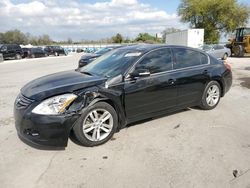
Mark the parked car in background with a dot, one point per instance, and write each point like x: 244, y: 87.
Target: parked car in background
x: 126, y: 85
x: 33, y: 52
x: 11, y: 51
x: 79, y: 50
x: 90, y: 50
x: 89, y: 57
x: 55, y: 50
x: 25, y: 52
x: 217, y: 50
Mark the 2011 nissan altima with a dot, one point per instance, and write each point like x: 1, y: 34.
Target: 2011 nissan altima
x: 123, y: 86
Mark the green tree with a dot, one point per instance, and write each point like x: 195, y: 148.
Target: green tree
x: 147, y: 38
x: 44, y: 40
x: 1, y: 38
x: 69, y: 41
x: 127, y: 40
x: 214, y: 16
x: 117, y: 38
x: 14, y: 36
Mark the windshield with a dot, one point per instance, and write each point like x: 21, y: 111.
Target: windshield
x: 102, y: 51
x: 112, y: 64
x: 246, y: 31
x: 206, y: 47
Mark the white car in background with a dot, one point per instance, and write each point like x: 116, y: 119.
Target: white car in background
x: 217, y: 50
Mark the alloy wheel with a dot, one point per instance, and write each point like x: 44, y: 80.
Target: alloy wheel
x: 97, y: 125
x: 225, y: 56
x: 18, y: 56
x: 213, y: 95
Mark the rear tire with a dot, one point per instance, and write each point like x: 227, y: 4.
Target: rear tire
x: 238, y: 51
x: 18, y: 56
x: 211, y: 96
x: 97, y: 125
x: 225, y: 56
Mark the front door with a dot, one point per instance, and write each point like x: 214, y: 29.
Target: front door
x: 147, y: 95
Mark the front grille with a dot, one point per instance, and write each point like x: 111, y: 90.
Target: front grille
x: 22, y: 102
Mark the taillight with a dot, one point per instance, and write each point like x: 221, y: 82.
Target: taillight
x: 227, y: 65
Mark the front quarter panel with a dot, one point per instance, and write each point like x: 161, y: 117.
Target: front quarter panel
x: 112, y: 95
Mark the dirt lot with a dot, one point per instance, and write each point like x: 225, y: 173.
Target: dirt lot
x: 191, y: 148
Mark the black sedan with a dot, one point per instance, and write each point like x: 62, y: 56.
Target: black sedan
x: 33, y: 52
x: 123, y: 86
x: 55, y: 50
x: 89, y: 57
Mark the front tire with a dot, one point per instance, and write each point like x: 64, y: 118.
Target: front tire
x: 97, y: 125
x: 211, y: 96
x: 238, y: 51
x: 225, y: 56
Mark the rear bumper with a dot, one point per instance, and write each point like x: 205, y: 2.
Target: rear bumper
x: 227, y: 81
x: 42, y: 130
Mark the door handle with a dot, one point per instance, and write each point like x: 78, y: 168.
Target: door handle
x: 171, y: 81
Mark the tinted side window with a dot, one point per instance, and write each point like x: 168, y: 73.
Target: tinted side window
x: 218, y: 47
x: 157, y: 61
x: 204, y: 58
x: 19, y: 47
x: 33, y: 50
x: 9, y: 47
x: 39, y: 50
x: 187, y: 58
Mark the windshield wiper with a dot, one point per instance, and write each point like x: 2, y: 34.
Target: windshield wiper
x: 88, y: 73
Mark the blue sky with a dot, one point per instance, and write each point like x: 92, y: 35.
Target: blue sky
x: 90, y: 19
x: 170, y: 6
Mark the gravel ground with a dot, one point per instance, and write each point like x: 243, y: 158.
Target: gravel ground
x: 191, y: 148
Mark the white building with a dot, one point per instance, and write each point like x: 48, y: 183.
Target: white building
x: 190, y: 37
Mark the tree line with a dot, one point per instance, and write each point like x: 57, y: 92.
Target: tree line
x: 18, y: 37
x: 215, y: 17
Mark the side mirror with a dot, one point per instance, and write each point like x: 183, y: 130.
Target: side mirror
x: 82, y: 63
x: 140, y: 73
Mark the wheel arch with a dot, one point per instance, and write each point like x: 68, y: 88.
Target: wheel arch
x: 101, y: 98
x: 219, y: 80
x: 120, y: 114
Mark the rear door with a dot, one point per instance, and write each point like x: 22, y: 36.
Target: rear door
x: 147, y: 95
x: 40, y: 52
x: 193, y: 75
x: 10, y: 51
x: 219, y: 50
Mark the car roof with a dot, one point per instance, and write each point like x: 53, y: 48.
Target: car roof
x: 149, y: 47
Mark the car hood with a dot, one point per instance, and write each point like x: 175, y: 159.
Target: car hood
x: 59, y: 83
x: 90, y: 55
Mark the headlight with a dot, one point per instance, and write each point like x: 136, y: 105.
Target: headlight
x: 54, y: 105
x: 92, y: 59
